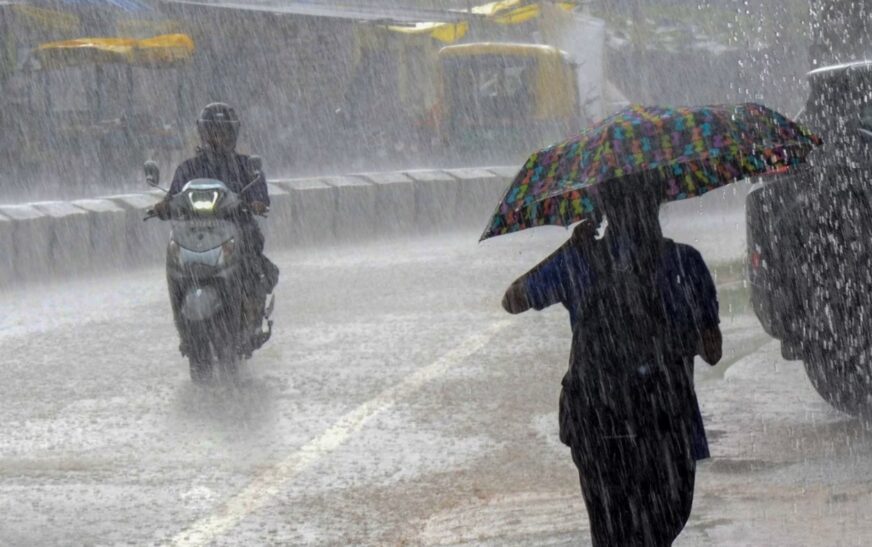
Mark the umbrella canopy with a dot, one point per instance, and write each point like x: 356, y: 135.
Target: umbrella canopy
x: 690, y: 151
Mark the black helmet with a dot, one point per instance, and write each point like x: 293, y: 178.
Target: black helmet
x: 218, y: 127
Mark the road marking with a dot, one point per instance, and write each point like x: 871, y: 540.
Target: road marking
x: 272, y: 481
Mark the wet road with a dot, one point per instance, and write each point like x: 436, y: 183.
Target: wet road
x: 396, y: 404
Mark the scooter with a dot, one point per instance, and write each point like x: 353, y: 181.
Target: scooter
x: 219, y: 318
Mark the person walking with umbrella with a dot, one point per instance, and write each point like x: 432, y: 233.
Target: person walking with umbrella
x: 641, y: 306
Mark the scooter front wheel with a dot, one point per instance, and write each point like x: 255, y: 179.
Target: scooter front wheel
x: 201, y: 359
x: 213, y: 354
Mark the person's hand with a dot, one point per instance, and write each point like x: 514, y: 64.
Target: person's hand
x: 258, y: 207
x: 515, y: 300
x: 711, y: 346
x: 161, y: 209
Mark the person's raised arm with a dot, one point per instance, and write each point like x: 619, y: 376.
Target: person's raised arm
x: 538, y: 288
x: 542, y: 286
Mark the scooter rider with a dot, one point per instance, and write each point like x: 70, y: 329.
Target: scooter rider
x: 218, y: 127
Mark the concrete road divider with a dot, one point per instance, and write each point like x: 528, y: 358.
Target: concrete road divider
x: 504, y: 172
x: 394, y: 203
x: 355, y: 212
x: 312, y: 210
x: 31, y: 240
x: 146, y: 241
x: 479, y: 192
x: 70, y: 237
x: 7, y: 251
x: 107, y: 222
x: 53, y: 238
x: 436, y: 197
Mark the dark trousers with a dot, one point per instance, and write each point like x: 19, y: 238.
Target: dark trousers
x: 637, y: 476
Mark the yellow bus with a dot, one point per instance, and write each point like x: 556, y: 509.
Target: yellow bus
x: 505, y: 99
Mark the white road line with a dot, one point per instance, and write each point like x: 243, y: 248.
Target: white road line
x: 272, y: 481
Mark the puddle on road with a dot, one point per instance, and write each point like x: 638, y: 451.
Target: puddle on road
x: 741, y: 466
x: 246, y: 404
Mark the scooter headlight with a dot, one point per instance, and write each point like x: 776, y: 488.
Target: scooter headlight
x: 204, y: 201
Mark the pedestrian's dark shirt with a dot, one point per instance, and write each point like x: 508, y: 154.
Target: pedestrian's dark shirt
x: 688, y: 301
x: 569, y: 276
x: 234, y: 170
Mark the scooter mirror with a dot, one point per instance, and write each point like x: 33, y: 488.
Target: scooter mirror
x: 152, y: 173
x: 256, y: 162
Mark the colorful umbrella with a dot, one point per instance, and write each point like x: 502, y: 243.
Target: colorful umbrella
x: 690, y: 150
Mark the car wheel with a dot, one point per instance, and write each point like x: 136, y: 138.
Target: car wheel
x: 845, y: 382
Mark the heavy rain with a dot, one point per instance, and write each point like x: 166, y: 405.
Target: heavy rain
x: 287, y: 272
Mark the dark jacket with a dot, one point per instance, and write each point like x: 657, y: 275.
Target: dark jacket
x: 628, y: 408
x: 234, y: 170
x: 631, y: 336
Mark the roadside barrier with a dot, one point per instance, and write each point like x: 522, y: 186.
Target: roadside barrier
x: 56, y: 239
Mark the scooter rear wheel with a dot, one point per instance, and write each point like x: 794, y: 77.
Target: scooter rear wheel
x: 201, y: 359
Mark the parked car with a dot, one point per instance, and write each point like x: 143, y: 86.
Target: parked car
x: 810, y: 243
